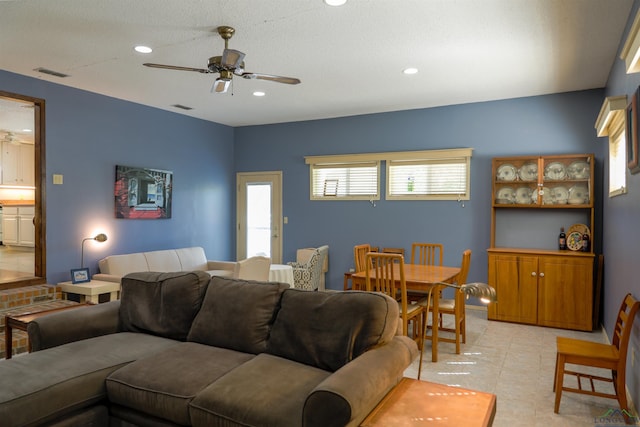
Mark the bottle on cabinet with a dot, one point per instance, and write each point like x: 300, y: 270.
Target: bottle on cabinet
x: 586, y: 244
x: 562, y: 240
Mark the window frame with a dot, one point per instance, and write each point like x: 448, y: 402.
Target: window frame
x: 316, y: 162
x: 438, y: 158
x: 611, y: 122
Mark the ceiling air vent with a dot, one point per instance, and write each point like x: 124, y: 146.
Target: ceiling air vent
x: 50, y: 72
x: 182, y: 107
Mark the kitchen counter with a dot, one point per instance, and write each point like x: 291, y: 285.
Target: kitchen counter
x: 17, y: 202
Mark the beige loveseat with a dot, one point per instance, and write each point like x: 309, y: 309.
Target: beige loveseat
x: 114, y: 267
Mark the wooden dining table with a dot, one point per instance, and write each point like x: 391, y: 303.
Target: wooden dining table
x: 419, y: 277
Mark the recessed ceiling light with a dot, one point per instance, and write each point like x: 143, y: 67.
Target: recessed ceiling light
x: 143, y: 49
x: 335, y: 2
x: 410, y: 70
x: 258, y: 93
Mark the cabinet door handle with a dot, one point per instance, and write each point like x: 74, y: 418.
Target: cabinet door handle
x: 541, y: 274
x: 533, y: 273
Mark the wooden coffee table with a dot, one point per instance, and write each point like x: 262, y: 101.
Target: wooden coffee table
x: 421, y: 403
x: 20, y: 322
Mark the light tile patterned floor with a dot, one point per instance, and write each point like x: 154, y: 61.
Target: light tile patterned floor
x: 516, y: 362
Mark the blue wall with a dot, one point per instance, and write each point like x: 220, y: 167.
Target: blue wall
x: 553, y: 124
x: 621, y: 223
x: 87, y: 135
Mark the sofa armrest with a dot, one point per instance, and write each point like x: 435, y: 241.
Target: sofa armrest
x: 221, y: 265
x: 107, y: 277
x: 73, y: 325
x: 354, y: 390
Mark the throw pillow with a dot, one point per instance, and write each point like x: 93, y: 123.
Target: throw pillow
x: 329, y: 329
x: 161, y: 304
x: 237, y: 314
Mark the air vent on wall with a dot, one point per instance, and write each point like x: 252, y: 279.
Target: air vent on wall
x: 50, y: 72
x: 182, y: 107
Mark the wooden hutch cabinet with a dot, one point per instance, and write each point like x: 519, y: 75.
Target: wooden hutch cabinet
x: 536, y: 282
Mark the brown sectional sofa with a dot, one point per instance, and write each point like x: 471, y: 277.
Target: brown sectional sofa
x: 184, y: 349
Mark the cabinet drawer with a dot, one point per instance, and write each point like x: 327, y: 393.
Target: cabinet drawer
x: 10, y: 210
x: 26, y: 210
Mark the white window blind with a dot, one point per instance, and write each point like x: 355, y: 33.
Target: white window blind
x: 617, y: 158
x: 440, y: 179
x: 358, y: 181
x: 611, y: 123
x: 411, y: 175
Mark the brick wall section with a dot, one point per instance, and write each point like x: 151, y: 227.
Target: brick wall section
x: 29, y: 299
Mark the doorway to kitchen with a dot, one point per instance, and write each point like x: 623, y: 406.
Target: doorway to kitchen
x: 22, y: 260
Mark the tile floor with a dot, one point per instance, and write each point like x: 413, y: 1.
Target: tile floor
x: 15, y: 263
x: 517, y: 363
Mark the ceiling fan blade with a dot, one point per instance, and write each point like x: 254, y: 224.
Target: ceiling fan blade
x: 232, y: 58
x: 271, y: 77
x: 174, y: 67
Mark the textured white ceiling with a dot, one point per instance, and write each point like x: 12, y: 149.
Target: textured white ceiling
x: 349, y: 58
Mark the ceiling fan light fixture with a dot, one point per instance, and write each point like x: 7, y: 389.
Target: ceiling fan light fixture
x: 221, y: 85
x: 335, y: 2
x: 143, y: 49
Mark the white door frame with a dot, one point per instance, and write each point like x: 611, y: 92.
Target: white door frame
x: 275, y: 179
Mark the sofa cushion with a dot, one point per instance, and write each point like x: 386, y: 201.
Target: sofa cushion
x: 161, y: 304
x: 48, y: 384
x: 265, y: 391
x: 237, y: 314
x: 121, y: 265
x: 329, y: 329
x: 192, y: 258
x: 164, y: 384
x: 164, y: 261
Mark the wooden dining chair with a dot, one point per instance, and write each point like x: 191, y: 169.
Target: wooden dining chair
x: 454, y: 307
x: 606, y: 356
x: 399, y: 251
x: 359, y: 252
x: 426, y: 253
x: 382, y: 277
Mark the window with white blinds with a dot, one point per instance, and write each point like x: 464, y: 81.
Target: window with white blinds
x: 439, y: 179
x: 411, y: 175
x: 611, y: 122
x: 617, y: 158
x: 356, y: 181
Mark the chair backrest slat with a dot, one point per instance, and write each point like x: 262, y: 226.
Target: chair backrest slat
x: 427, y: 253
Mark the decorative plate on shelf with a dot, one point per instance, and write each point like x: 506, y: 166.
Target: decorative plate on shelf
x: 523, y: 196
x: 578, y: 170
x: 528, y: 172
x: 574, y: 241
x: 505, y: 196
x: 547, y: 195
x: 560, y: 195
x: 506, y: 172
x: 555, y: 171
x: 580, y: 228
x: 578, y: 195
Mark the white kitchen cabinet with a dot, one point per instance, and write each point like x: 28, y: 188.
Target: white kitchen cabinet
x: 18, y: 164
x: 17, y: 226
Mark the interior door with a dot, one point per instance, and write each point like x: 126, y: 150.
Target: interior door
x: 259, y: 215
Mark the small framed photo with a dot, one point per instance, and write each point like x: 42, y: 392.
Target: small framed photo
x: 80, y: 275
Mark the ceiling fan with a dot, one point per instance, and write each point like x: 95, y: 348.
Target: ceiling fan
x: 230, y: 63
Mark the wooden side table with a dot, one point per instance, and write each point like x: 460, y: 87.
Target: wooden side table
x: 91, y: 291
x: 20, y: 322
x: 419, y: 403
